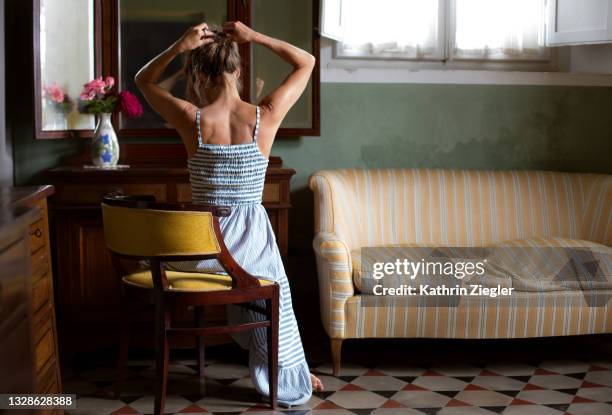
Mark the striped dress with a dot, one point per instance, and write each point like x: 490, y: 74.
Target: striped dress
x: 234, y: 176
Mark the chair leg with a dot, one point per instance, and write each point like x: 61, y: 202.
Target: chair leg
x: 124, y: 342
x: 336, y: 349
x: 272, y: 335
x: 162, y: 323
x: 199, y: 321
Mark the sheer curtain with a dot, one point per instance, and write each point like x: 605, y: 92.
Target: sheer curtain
x: 409, y: 28
x: 499, y: 28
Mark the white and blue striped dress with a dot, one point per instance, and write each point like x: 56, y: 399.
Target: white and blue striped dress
x: 234, y: 176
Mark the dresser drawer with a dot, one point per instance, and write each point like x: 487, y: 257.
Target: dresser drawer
x: 183, y: 193
x: 41, y: 292
x: 40, y: 262
x: 92, y: 194
x: 44, y: 349
x: 38, y: 235
x: 271, y: 193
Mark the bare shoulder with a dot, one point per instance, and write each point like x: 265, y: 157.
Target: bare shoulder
x: 188, y: 130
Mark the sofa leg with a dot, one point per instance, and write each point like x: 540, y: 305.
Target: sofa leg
x: 336, y: 349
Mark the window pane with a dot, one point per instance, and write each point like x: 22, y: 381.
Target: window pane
x: 410, y: 28
x: 499, y: 29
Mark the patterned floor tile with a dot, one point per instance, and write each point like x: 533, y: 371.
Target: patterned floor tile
x: 396, y: 411
x: 357, y: 399
x: 379, y: 383
x: 421, y: 399
x: 312, y: 403
x: 555, y: 381
x: 224, y: 404
x: 146, y: 404
x: 511, y: 369
x: 531, y: 410
x: 599, y: 394
x: 565, y: 366
x: 440, y: 383
x: 464, y: 410
x: 498, y: 383
x: 602, y: 363
x: 545, y: 396
x: 401, y: 370
x: 483, y: 398
x: 553, y: 387
x: 600, y: 377
x: 590, y: 409
x: 456, y: 370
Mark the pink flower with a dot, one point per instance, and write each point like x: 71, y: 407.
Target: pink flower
x: 54, y: 92
x: 110, y: 81
x: 94, y: 88
x: 129, y: 104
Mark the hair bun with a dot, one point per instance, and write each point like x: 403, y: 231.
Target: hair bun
x: 220, y: 36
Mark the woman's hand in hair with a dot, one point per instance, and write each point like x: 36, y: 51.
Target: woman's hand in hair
x: 239, y: 32
x: 194, y: 37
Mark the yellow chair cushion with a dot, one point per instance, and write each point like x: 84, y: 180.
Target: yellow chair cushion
x: 186, y: 281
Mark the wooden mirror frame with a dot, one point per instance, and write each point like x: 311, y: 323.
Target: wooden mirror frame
x: 37, y: 95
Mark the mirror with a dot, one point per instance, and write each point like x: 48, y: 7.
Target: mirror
x: 64, y: 59
x: 291, y: 21
x: 147, y: 27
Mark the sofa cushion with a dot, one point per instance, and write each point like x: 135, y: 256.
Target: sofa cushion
x: 552, y: 264
x: 534, y: 264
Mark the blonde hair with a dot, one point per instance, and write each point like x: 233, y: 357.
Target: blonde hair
x: 206, y: 65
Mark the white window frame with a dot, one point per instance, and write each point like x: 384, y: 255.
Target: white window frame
x: 447, y: 58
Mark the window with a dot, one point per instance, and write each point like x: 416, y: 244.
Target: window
x: 437, y: 30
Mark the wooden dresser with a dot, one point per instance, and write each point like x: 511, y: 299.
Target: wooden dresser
x: 88, y: 289
x: 41, y: 308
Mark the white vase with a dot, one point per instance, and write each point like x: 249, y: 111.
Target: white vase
x: 104, y: 144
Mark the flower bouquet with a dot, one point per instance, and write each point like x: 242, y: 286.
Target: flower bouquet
x: 99, y: 98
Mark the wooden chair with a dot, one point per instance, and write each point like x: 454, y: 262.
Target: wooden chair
x: 138, y: 228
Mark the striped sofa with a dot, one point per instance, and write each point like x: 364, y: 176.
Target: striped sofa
x: 368, y: 208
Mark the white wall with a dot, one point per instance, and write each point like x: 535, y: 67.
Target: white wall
x: 595, y: 59
x: 6, y: 159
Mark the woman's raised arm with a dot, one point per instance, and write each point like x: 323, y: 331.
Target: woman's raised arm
x: 172, y: 109
x: 279, y: 101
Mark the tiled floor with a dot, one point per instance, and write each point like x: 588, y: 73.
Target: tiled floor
x: 577, y: 387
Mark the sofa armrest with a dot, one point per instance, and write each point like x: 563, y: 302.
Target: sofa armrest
x: 597, y: 222
x: 335, y: 281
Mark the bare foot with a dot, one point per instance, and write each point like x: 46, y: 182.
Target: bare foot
x: 317, y: 385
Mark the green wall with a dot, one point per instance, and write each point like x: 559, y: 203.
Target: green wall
x: 459, y: 126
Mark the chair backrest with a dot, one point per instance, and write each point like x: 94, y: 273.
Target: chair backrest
x: 145, y: 232
x: 139, y: 228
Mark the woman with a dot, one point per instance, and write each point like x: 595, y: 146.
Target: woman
x: 228, y: 142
